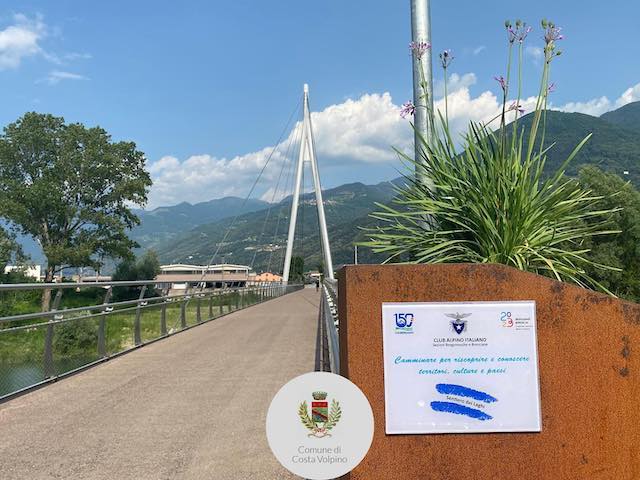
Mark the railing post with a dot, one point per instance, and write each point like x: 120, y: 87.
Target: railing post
x: 183, y: 313
x: 137, y: 338
x: 163, y: 318
x: 102, y: 325
x: 49, y: 367
x: 221, y: 299
x: 183, y: 309
x: 237, y: 299
x: 198, y: 314
x: 211, y: 306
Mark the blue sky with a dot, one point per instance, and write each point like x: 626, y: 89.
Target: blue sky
x: 205, y: 87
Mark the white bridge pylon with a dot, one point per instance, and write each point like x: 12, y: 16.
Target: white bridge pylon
x: 308, y: 154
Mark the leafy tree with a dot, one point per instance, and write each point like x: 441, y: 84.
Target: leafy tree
x: 622, y: 251
x: 296, y: 271
x: 72, y: 189
x: 146, y: 267
x: 9, y: 249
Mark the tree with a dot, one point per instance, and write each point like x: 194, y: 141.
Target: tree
x: 622, y: 251
x: 72, y: 189
x: 146, y: 267
x: 9, y: 249
x: 296, y: 271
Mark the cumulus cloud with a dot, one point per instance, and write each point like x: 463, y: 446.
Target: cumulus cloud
x: 358, y: 133
x: 21, y: 40
x: 456, y: 82
x: 600, y: 105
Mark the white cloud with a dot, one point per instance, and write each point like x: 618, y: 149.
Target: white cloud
x: 600, y: 105
x: 24, y: 38
x: 357, y: 133
x: 631, y: 94
x: 479, y: 49
x: 595, y: 106
x: 456, y: 82
x: 56, y: 76
x: 536, y: 53
x: 21, y: 40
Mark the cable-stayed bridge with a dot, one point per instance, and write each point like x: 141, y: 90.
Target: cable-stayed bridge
x: 146, y: 384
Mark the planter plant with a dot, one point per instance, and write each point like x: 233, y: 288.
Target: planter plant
x: 488, y: 199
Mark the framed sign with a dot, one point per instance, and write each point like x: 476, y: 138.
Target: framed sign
x: 460, y: 367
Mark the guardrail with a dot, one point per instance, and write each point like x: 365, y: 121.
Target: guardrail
x: 40, y: 347
x: 330, y: 325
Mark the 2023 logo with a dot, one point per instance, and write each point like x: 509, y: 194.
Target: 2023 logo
x: 505, y: 318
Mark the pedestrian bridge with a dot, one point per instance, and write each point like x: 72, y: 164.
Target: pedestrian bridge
x: 190, y: 406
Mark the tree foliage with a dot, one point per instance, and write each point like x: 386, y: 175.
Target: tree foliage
x: 621, y: 251
x: 9, y: 250
x: 146, y: 267
x: 296, y: 271
x: 71, y: 188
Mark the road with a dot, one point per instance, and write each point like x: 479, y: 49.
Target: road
x: 192, y: 406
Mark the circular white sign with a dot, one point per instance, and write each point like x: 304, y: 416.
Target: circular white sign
x: 320, y: 426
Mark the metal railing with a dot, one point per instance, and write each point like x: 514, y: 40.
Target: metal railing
x: 330, y: 325
x: 37, y: 347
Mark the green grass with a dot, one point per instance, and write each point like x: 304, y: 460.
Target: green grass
x: 78, y: 339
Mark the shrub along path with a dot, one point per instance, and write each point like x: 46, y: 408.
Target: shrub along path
x: 189, y: 407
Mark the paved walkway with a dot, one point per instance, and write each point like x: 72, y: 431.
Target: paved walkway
x: 189, y: 407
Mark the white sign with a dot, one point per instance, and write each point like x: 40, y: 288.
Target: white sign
x: 320, y: 426
x: 461, y: 367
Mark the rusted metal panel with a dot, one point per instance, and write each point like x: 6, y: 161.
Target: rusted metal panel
x: 589, y: 349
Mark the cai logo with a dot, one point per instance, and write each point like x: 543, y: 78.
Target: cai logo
x: 404, y: 322
x: 322, y: 419
x: 458, y: 324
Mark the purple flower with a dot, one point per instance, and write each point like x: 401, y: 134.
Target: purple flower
x: 551, y: 88
x: 502, y: 82
x: 523, y: 34
x: 408, y: 108
x: 516, y: 106
x: 519, y: 33
x: 552, y: 34
x: 419, y: 48
x: 446, y: 57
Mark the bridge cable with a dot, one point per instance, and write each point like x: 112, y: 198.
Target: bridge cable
x: 244, y: 202
x: 273, y: 196
x: 255, y: 183
x: 284, y: 205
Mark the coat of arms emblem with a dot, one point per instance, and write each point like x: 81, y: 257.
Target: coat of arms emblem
x: 322, y: 418
x: 457, y: 323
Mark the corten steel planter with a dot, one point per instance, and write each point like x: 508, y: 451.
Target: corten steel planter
x: 589, y: 361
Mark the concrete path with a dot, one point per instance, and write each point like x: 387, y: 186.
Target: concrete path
x: 189, y: 407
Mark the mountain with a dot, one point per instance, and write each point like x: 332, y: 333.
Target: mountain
x: 164, y: 223
x: 613, y: 148
x: 192, y: 233
x: 626, y: 117
x: 259, y: 238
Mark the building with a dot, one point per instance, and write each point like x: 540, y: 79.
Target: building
x: 31, y: 271
x: 180, y: 276
x: 266, y: 277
